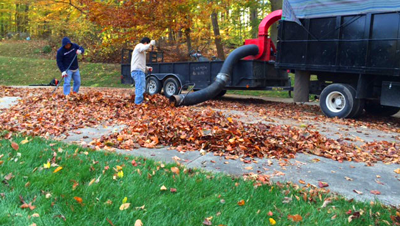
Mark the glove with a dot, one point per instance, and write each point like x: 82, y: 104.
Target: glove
x: 64, y: 74
x: 153, y: 42
x: 78, y: 51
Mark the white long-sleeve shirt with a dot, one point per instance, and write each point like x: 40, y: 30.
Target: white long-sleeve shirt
x: 138, y: 61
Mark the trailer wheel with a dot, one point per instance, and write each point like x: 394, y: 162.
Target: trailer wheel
x: 153, y: 85
x: 337, y: 100
x: 171, y: 87
x: 380, y: 110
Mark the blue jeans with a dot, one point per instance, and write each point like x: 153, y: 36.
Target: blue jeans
x: 140, y: 85
x: 67, y: 82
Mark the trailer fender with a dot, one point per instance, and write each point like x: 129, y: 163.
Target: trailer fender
x: 164, y: 76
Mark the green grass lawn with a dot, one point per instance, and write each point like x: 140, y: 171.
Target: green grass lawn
x: 99, y: 193
x: 22, y: 63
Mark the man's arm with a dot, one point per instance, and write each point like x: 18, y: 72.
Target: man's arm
x: 59, y: 62
x: 144, y: 47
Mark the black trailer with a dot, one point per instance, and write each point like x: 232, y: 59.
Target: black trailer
x: 172, y: 78
x: 356, y: 59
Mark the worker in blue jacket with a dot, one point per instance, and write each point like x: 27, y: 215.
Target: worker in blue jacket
x: 66, y: 58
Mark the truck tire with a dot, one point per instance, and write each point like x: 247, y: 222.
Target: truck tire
x: 171, y: 87
x: 220, y: 94
x: 358, y: 107
x: 153, y: 85
x: 338, y: 100
x: 374, y: 108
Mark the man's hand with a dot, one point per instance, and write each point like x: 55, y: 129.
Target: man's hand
x: 64, y: 74
x: 153, y: 42
x: 78, y: 51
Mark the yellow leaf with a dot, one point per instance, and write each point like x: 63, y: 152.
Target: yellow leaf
x: 46, y: 165
x: 138, y: 223
x: 230, y: 119
x: 163, y: 188
x: 124, y: 200
x: 397, y: 171
x: 92, y: 181
x: 58, y: 169
x: 25, y: 141
x: 272, y: 221
x: 121, y: 174
x: 124, y: 206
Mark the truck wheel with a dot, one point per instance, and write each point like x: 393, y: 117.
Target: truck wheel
x: 171, y: 87
x: 220, y: 94
x: 153, y: 85
x: 337, y: 100
x: 380, y: 110
x: 358, y: 107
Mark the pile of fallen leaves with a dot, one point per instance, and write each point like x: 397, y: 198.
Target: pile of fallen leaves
x: 156, y: 123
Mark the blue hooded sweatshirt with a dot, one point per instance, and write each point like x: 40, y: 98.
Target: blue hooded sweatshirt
x: 65, y: 56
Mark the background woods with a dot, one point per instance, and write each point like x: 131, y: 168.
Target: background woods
x: 104, y: 27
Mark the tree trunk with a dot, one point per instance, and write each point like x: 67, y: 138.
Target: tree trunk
x: 217, y: 36
x: 188, y: 41
x: 275, y: 5
x: 254, y: 21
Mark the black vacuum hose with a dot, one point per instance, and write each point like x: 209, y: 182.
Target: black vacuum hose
x: 222, y: 78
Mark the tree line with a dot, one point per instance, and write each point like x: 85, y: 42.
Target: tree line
x: 107, y: 26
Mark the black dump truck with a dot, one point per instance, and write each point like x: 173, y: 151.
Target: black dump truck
x: 352, y: 48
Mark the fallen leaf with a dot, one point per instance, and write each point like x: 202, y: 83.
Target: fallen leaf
x: 326, y: 202
x: 295, y: 218
x: 302, y: 181
x: 207, y: 222
x: 163, y: 188
x: 348, y: 178
x: 121, y: 174
x: 57, y: 169
x: 15, y: 146
x: 375, y: 192
x: 110, y: 222
x: 138, y: 223
x: 322, y: 184
x: 25, y: 141
x: 92, y: 181
x: 124, y: 200
x: 78, y: 199
x: 348, y: 212
x: 47, y: 165
x: 230, y: 119
x: 272, y: 221
x: 397, y: 170
x: 175, y: 170
x: 33, y: 224
x: 241, y: 202
x: 358, y: 192
x: 286, y: 200
x: 248, y: 168
x: 8, y: 176
x: 134, y: 163
x: 35, y: 215
x: 124, y: 206
x: 172, y: 190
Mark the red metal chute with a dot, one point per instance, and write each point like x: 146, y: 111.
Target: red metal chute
x: 265, y: 45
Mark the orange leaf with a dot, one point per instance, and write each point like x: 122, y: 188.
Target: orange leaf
x: 175, y: 170
x: 302, y: 182
x: 15, y: 146
x: 295, y: 218
x: 78, y: 199
x: 58, y: 169
x: 241, y: 203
